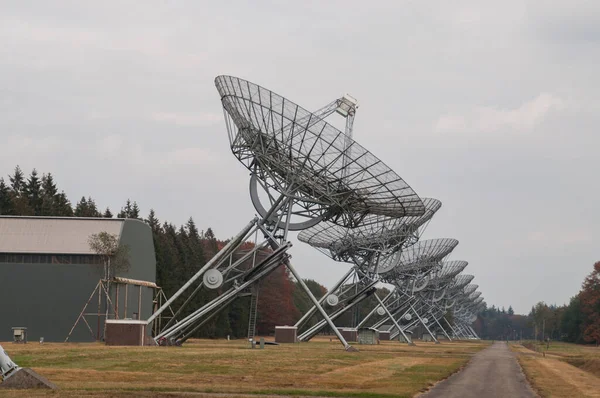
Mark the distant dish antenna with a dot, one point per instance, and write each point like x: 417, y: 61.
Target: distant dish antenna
x: 408, y: 317
x: 333, y: 300
x: 425, y: 320
x: 212, y: 279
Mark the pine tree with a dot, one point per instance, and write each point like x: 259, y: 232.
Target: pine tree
x: 92, y: 208
x: 20, y: 202
x: 212, y: 246
x: 17, y: 181
x: 153, y: 221
x: 81, y: 209
x: 107, y: 213
x: 126, y: 211
x: 33, y: 192
x: 63, y: 206
x: 5, y: 201
x: 135, y: 211
x: 87, y: 208
x: 510, y: 310
x: 49, y: 199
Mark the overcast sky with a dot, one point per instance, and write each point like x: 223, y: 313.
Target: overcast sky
x: 491, y: 107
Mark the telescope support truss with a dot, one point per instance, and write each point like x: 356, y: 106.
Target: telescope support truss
x: 223, y: 270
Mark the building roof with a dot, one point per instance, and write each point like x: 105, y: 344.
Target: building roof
x: 53, y: 235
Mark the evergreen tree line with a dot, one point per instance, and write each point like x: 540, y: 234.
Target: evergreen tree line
x: 576, y: 322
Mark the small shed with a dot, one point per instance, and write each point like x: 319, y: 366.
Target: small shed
x: 368, y: 336
x: 285, y: 334
x: 124, y: 332
x: 19, y: 335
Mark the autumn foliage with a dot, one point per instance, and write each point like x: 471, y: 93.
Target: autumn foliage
x: 590, y: 306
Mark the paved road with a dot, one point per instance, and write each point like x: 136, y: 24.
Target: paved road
x: 493, y: 372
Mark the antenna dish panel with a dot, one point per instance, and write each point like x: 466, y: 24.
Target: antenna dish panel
x: 297, y: 154
x: 420, y: 257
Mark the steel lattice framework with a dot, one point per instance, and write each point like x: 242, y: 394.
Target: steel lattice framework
x: 308, y: 176
x: 375, y: 238
x: 411, y: 272
x: 303, y: 171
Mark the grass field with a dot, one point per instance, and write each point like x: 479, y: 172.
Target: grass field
x: 562, y: 370
x: 318, y: 368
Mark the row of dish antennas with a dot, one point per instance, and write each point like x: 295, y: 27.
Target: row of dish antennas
x: 303, y: 172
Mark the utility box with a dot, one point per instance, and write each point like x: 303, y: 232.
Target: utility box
x: 19, y: 335
x: 368, y: 336
x: 349, y: 334
x: 126, y: 332
x: 384, y: 335
x: 285, y: 334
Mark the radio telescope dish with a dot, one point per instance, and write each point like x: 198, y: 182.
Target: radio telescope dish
x: 462, y: 280
x: 364, y: 245
x: 295, y: 155
x: 450, y: 269
x: 470, y: 289
x: 420, y: 257
x: 474, y: 295
x: 374, y: 233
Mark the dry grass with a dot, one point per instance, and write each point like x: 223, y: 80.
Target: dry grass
x: 318, y: 368
x: 553, y: 374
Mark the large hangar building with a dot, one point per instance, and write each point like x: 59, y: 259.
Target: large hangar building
x: 48, y: 272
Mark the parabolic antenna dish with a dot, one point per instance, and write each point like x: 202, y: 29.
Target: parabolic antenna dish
x: 474, y: 295
x: 294, y: 153
x: 470, y: 288
x: 450, y: 269
x: 374, y: 233
x: 444, y: 277
x: 461, y: 281
x: 420, y: 257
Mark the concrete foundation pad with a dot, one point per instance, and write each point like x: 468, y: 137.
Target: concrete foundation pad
x: 26, y: 378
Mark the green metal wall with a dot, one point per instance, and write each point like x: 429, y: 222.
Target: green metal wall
x: 47, y: 298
